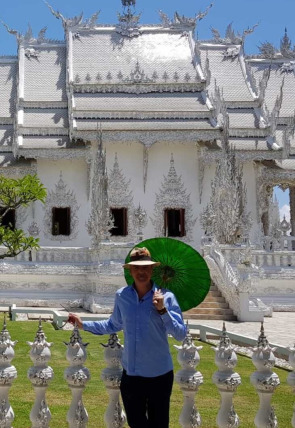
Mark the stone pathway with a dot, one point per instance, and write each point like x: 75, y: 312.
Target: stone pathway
x: 279, y: 328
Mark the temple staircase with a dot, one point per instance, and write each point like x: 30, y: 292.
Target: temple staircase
x: 214, y: 307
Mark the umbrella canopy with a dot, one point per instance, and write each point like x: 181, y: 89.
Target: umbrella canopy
x: 183, y: 270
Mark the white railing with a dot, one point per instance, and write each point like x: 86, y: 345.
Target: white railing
x: 77, y: 375
x: 224, y: 278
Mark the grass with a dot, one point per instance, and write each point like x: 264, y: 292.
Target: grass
x: 95, y: 397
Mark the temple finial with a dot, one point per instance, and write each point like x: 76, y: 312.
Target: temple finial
x: 128, y: 3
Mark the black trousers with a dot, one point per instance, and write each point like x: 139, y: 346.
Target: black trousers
x: 146, y: 400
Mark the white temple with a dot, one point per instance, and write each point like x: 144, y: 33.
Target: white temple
x: 140, y: 131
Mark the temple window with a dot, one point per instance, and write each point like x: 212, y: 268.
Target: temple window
x: 174, y: 222
x: 8, y: 220
x: 61, y: 221
x: 120, y: 220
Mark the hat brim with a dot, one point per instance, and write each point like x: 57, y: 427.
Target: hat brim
x: 141, y: 263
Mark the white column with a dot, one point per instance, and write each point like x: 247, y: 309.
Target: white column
x: 291, y: 378
x: 77, y: 376
x: 8, y: 374
x: 292, y: 210
x: 226, y: 381
x: 40, y: 375
x: 189, y: 380
x: 265, y: 381
x: 111, y: 376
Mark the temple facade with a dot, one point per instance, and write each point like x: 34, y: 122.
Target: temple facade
x: 140, y: 131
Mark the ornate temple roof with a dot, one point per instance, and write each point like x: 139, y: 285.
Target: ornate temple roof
x: 145, y: 78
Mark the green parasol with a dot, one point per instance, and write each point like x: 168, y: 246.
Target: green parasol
x: 183, y: 270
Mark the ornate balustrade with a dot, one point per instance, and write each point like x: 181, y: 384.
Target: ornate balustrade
x: 263, y: 378
x: 108, y: 251
x: 283, y: 257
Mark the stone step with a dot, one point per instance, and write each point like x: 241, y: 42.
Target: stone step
x: 214, y: 293
x: 209, y: 317
x: 212, y: 304
x: 209, y: 311
x: 214, y: 299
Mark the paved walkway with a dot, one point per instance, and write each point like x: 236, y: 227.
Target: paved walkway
x: 279, y: 328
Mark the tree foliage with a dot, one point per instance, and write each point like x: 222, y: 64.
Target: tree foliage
x: 16, y: 193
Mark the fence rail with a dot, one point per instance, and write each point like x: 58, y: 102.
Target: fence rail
x: 189, y: 379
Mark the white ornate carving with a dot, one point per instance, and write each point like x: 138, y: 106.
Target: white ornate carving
x: 120, y: 196
x: 100, y: 222
x: 34, y: 229
x: 231, y: 37
x: 232, y: 220
x: 140, y: 221
x: 179, y: 21
x: 223, y: 275
x: 31, y: 53
x: 173, y: 194
x: 288, y: 67
x: 138, y: 88
x: 231, y: 52
x: 61, y: 198
x: 128, y: 23
x: 137, y: 76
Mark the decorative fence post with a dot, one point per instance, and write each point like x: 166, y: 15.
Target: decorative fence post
x: 189, y: 381
x: 77, y: 376
x: 226, y: 381
x: 111, y: 376
x: 265, y: 381
x: 7, y: 375
x: 291, y: 378
x: 40, y: 375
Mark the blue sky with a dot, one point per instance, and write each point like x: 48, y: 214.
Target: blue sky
x: 273, y: 17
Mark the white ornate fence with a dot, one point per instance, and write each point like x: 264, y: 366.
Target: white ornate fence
x: 77, y: 375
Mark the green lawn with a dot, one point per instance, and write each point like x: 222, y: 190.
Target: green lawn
x: 96, y: 399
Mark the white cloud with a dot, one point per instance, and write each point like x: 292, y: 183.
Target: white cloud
x: 285, y: 211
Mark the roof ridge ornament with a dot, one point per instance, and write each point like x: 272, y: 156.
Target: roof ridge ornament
x: 231, y: 37
x: 76, y: 20
x: 179, y: 21
x: 128, y: 21
x: 28, y: 37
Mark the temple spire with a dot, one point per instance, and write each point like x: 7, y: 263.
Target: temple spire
x: 128, y: 3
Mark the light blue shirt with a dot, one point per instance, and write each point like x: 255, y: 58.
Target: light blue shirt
x: 146, y: 349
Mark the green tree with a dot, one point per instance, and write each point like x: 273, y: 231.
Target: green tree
x: 15, y: 193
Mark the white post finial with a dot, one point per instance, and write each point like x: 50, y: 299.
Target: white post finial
x: 40, y: 375
x: 291, y: 378
x: 226, y: 381
x: 8, y: 374
x: 265, y: 381
x: 189, y: 380
x: 111, y: 376
x: 77, y: 376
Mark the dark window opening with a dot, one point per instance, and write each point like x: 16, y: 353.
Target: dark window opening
x: 120, y: 222
x: 174, y: 222
x: 61, y: 221
x: 8, y: 220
